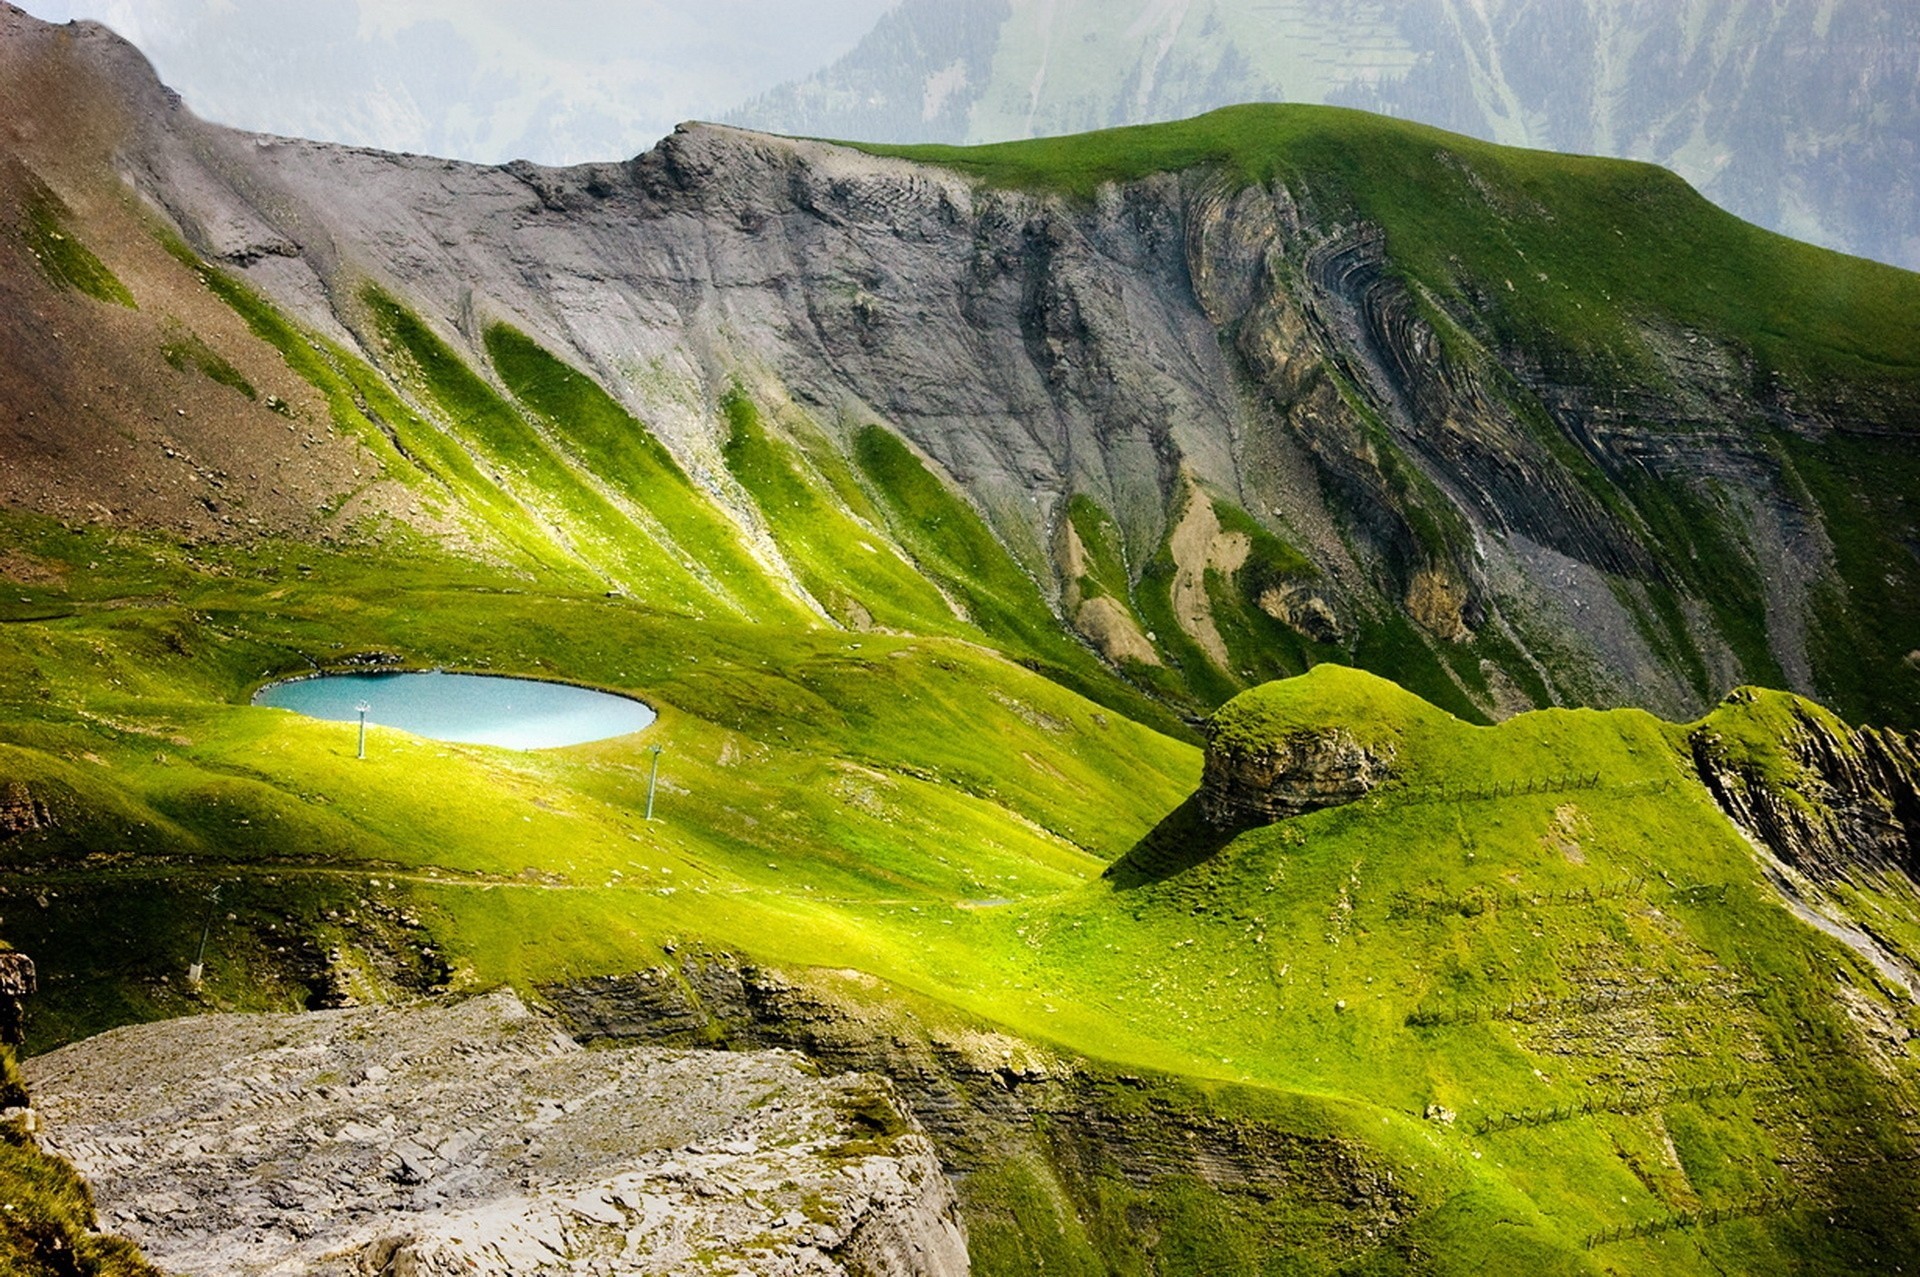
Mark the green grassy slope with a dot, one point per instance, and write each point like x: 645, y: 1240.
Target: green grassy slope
x: 878, y: 762
x: 1544, y: 949
x: 1539, y: 973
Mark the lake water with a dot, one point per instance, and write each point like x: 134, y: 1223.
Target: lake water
x: 478, y: 709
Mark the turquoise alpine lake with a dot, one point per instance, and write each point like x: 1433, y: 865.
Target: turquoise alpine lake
x: 475, y: 709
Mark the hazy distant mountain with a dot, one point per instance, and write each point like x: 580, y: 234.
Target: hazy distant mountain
x: 483, y: 80
x: 1803, y: 115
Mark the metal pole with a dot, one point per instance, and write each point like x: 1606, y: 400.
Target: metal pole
x: 199, y: 957
x: 652, y: 778
x: 363, y: 707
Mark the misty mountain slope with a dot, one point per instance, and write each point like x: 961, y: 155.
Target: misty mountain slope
x: 1803, y: 116
x: 1190, y: 407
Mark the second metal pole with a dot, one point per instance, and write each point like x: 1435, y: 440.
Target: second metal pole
x: 653, y: 778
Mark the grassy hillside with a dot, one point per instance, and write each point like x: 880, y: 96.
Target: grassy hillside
x: 1538, y: 974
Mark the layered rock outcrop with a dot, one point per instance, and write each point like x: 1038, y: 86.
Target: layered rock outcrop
x: 1093, y: 1137
x: 1259, y: 783
x: 1827, y: 799
x: 1297, y: 745
x: 477, y: 1138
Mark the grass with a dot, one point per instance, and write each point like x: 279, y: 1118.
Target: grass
x: 923, y: 809
x: 49, y: 236
x: 185, y: 352
x: 606, y: 440
x: 1106, y: 575
x: 363, y: 404
x: 1490, y: 935
x: 46, y: 1217
x: 846, y: 563
x: 612, y: 538
x: 951, y: 544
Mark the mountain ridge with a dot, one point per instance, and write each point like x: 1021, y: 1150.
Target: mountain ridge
x: 1424, y: 525
x: 1696, y: 86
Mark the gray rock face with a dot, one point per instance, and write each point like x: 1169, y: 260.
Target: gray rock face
x: 1031, y: 349
x: 478, y: 1138
x: 1834, y: 801
x: 1166, y: 347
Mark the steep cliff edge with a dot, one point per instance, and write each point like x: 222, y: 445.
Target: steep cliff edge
x: 1830, y: 800
x: 1513, y: 429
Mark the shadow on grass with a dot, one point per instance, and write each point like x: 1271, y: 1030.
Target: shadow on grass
x: 1183, y: 839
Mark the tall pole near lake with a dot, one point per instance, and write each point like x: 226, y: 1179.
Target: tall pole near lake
x: 363, y: 707
x: 653, y: 778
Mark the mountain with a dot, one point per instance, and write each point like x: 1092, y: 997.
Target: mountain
x: 1167, y: 413
x: 1801, y: 116
x: 954, y: 509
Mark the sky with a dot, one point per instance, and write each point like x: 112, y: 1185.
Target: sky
x: 558, y: 82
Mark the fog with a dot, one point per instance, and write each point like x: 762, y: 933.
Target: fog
x: 487, y: 80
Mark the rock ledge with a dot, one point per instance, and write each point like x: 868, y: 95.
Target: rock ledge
x: 476, y: 1137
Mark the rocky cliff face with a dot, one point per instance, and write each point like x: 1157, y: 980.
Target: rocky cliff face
x: 1087, y: 1145
x: 1829, y: 800
x: 1299, y: 773
x: 474, y: 1138
x: 1306, y: 452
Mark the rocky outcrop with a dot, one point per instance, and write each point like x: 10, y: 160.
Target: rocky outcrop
x: 1257, y: 783
x: 1828, y: 800
x: 19, y: 980
x: 21, y: 812
x: 990, y: 1101
x: 476, y: 1138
